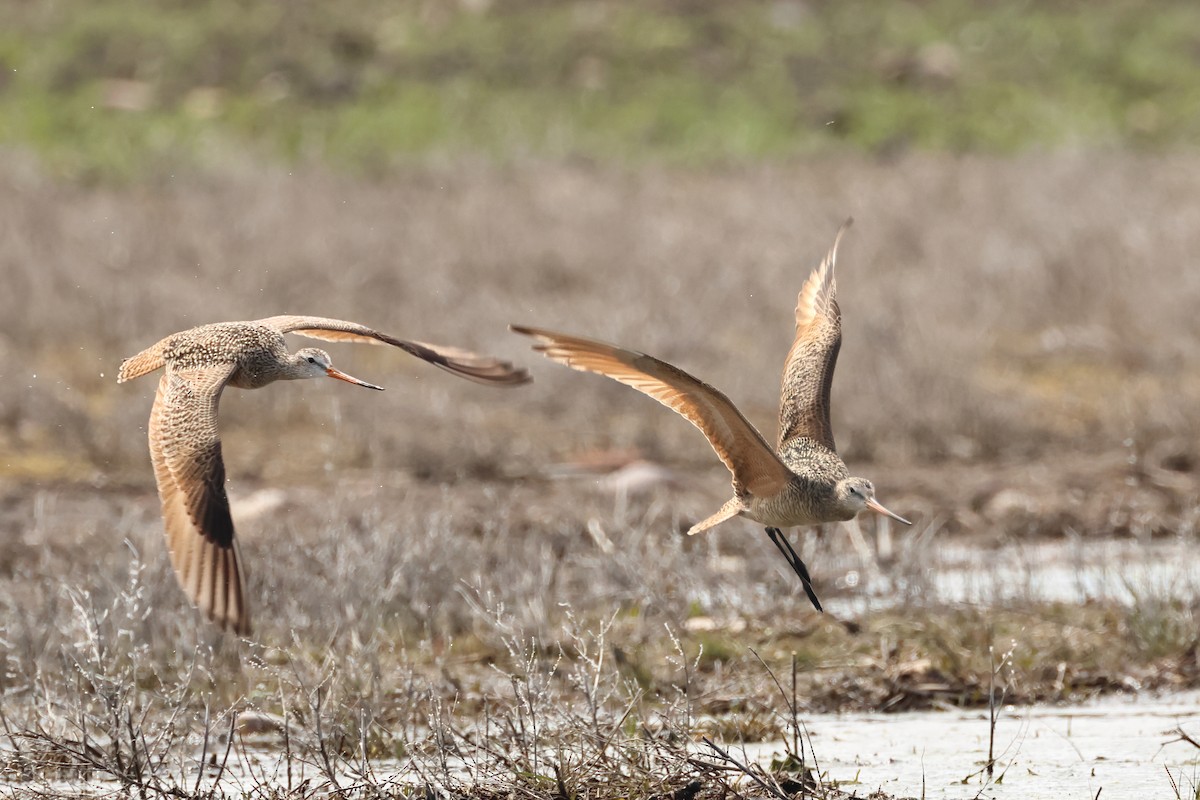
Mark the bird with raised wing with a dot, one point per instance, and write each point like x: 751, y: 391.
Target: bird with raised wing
x: 185, y: 448
x: 802, y: 481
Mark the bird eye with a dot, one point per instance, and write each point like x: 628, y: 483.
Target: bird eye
x: 312, y: 360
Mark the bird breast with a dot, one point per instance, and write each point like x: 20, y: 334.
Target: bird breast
x: 798, y: 504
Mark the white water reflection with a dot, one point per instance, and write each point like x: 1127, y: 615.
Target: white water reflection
x: 1121, y: 747
x: 1071, y: 571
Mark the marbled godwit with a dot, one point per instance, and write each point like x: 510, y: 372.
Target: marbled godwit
x: 803, y: 481
x: 185, y: 448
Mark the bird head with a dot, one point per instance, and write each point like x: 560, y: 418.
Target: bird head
x: 858, y: 494
x: 315, y: 363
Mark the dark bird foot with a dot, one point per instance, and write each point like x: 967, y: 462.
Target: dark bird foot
x: 796, y: 563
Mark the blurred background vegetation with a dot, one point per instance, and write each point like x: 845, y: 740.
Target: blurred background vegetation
x: 125, y: 88
x: 1017, y: 168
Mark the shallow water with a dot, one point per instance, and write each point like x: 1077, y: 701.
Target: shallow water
x: 1118, y: 746
x: 1071, y: 571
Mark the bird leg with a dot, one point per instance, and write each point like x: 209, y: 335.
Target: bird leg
x: 796, y: 563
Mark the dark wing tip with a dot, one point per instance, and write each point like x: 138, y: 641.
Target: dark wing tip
x: 239, y: 625
x: 482, y: 369
x: 498, y: 373
x: 525, y: 330
x: 229, y: 608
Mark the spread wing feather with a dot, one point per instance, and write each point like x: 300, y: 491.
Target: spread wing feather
x: 756, y: 469
x: 808, y: 371
x: 185, y: 450
x: 482, y: 369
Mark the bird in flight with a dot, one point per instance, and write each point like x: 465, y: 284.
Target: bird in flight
x: 185, y: 447
x: 802, y: 481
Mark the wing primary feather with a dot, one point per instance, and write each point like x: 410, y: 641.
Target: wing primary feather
x: 186, y: 452
x: 807, y: 381
x: 819, y: 293
x: 239, y: 612
x: 755, y: 467
x: 464, y: 363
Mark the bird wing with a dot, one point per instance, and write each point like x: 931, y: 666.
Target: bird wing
x: 808, y: 371
x: 186, y: 452
x: 756, y: 469
x: 482, y: 369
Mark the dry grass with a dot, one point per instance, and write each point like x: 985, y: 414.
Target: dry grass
x: 1020, y: 359
x: 405, y: 647
x: 997, y: 312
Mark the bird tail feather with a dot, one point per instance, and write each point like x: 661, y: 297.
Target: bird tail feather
x: 143, y: 363
x: 728, y: 511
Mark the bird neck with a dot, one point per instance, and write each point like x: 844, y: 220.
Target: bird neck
x: 295, y: 368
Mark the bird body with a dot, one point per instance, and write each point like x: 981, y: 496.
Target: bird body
x: 802, y: 481
x: 185, y: 447
x: 259, y: 354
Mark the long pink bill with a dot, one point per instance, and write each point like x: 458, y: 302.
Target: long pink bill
x: 341, y: 376
x: 876, y: 506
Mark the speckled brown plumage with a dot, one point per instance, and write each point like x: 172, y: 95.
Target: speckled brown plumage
x: 803, y: 481
x: 185, y: 447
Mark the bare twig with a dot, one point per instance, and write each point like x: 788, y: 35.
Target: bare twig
x: 228, y: 747
x: 327, y: 765
x: 746, y: 770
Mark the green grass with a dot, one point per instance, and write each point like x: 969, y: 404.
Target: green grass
x: 368, y: 84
